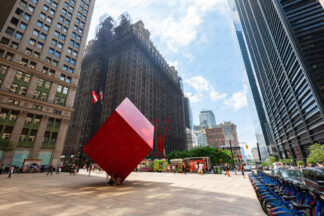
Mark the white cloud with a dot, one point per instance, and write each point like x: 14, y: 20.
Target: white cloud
x: 199, y: 83
x: 238, y: 100
x: 215, y: 96
x: 194, y: 98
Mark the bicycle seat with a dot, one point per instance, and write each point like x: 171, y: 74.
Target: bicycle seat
x: 299, y: 206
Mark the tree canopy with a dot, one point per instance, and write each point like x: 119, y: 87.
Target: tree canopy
x: 316, y: 154
x: 216, y: 155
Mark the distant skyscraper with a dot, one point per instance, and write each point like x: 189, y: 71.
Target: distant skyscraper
x: 258, y: 114
x: 41, y: 49
x: 207, y: 119
x: 188, y: 113
x: 285, y: 42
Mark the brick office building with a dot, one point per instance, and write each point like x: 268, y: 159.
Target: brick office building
x: 42, y: 43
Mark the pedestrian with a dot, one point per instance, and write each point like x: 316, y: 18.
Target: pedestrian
x: 243, y: 172
x: 75, y: 169
x: 72, y: 169
x: 227, y: 170
x: 1, y: 169
x: 196, y: 167
x: 58, y: 169
x: 11, y: 170
x: 200, y: 168
x: 90, y: 166
x: 50, y: 170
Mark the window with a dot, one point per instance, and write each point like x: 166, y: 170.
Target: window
x: 73, y: 61
x: 60, y: 45
x: 68, y: 79
x: 77, y: 20
x: 42, y: 36
x: 39, y: 24
x: 57, y: 54
x: 9, y: 56
x: 65, y: 29
x: 43, y: 96
x: 14, y: 102
x: 62, y: 77
x: 46, y: 27
x: 77, y: 45
x: 49, y: 19
x: 47, y: 84
x: 14, y: 44
x: 64, y: 11
x: 50, y: 51
x: 28, y: 51
x: 32, y: 42
x: 30, y: 8
x: 73, y: 2
x: 34, y: 1
x: 65, y: 67
x: 45, y: 8
x: 36, y: 94
x: 65, y: 90
x: 39, y: 45
x: 62, y: 37
x: 19, y: 12
x: 35, y: 32
x: 23, y: 26
x: 59, y: 25
x: 69, y: 15
x: 71, y: 42
x: 23, y: 90
x: 52, y: 12
x: 13, y: 88
x: 62, y: 18
x: 18, y: 35
x: 54, y: 42
x: 59, y: 88
x: 71, y: 8
x: 73, y: 34
x: 79, y: 14
x: 78, y: 38
x: 56, y: 34
x: 67, y: 22
x: 67, y: 59
x: 24, y: 62
x: 42, y: 15
x: 10, y: 31
x: 75, y: 53
x: 69, y: 50
x: 82, y: 24
x: 80, y: 31
x: 54, y: 4
x: 54, y: 62
x: 36, y: 54
x: 71, y: 70
x: 27, y: 17
x: 84, y: 17
x: 66, y: 4
x: 14, y: 21
x: 81, y: 8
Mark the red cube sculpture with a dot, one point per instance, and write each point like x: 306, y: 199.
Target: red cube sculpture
x: 122, y: 142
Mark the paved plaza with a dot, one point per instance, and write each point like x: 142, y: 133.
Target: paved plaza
x: 141, y: 194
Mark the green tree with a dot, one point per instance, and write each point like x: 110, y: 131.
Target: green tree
x: 280, y: 160
x: 316, y: 154
x: 265, y: 164
x: 288, y: 161
x: 272, y: 159
x: 300, y: 163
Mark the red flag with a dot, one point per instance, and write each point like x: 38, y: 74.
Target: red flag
x: 101, y: 96
x: 94, y: 96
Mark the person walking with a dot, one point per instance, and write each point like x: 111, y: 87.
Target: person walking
x: 200, y: 169
x: 196, y: 167
x: 57, y: 169
x: 243, y: 171
x: 11, y: 170
x: 90, y: 167
x: 72, y: 170
x: 50, y: 170
x: 227, y: 170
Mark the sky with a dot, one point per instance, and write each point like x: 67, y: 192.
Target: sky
x: 198, y: 38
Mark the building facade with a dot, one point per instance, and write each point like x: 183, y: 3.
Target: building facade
x: 42, y: 43
x: 188, y: 113
x: 284, y: 41
x: 207, y: 119
x: 124, y: 63
x: 224, y: 136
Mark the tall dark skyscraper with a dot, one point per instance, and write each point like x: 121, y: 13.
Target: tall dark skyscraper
x: 188, y: 113
x: 285, y: 40
x: 123, y: 62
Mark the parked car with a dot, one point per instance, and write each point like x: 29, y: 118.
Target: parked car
x: 314, y: 177
x: 291, y: 174
x: 247, y: 168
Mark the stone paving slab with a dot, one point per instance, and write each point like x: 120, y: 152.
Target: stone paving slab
x: 141, y: 194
